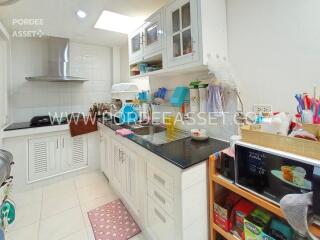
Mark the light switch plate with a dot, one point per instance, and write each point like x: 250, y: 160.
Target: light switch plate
x: 262, y: 108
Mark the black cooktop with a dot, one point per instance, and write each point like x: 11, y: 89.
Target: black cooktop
x: 26, y: 125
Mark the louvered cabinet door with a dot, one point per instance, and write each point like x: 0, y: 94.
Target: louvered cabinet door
x: 44, y: 158
x: 74, y: 152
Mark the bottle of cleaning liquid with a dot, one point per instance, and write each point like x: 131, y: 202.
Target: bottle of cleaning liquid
x: 203, y: 96
x: 194, y: 97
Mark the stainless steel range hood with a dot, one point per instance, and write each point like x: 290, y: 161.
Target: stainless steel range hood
x: 58, y: 62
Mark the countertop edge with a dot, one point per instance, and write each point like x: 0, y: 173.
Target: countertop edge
x: 32, y: 131
x: 159, y: 154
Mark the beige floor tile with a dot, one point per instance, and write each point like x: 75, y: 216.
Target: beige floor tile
x: 26, y: 198
x: 59, y: 203
x: 90, y: 233
x: 61, y: 225
x: 26, y: 216
x: 59, y: 188
x: 88, y: 179
x: 94, y: 204
x: 93, y: 192
x: 138, y: 237
x: 26, y: 233
x: 80, y: 235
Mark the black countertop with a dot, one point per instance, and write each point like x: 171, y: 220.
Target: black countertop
x: 183, y: 153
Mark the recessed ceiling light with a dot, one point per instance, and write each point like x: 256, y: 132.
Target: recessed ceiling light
x: 116, y: 22
x: 81, y: 14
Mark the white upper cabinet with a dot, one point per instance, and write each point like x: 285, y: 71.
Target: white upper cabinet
x: 182, y: 32
x: 153, y: 34
x: 135, y: 45
x: 194, y: 33
x: 147, y: 40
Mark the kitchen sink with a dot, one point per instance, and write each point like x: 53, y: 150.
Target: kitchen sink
x: 148, y: 130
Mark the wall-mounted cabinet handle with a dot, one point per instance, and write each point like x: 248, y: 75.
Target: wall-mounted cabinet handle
x: 160, y: 198
x: 159, y: 179
x: 62, y: 142
x: 57, y: 143
x: 160, y: 216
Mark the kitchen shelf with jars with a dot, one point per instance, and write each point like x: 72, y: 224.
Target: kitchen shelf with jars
x: 175, y: 32
x: 147, y: 66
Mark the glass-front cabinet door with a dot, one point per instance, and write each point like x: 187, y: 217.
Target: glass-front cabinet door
x: 182, y: 35
x: 153, y: 34
x: 135, y: 45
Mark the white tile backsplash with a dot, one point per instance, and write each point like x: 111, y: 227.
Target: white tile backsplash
x: 37, y: 98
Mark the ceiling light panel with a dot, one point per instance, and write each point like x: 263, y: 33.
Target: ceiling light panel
x: 116, y: 22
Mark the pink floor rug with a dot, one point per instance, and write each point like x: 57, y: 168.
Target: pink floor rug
x: 113, y: 222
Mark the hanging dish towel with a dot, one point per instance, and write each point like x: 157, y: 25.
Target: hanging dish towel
x: 7, y: 213
x: 295, y: 208
x: 215, y: 103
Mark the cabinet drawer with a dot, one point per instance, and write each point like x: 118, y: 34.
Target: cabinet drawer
x: 160, y: 179
x: 160, y: 198
x: 159, y: 222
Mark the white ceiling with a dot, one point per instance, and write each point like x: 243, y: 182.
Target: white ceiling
x: 60, y: 20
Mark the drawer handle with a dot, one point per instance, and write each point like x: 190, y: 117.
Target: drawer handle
x: 160, y: 216
x: 161, y: 199
x: 159, y: 179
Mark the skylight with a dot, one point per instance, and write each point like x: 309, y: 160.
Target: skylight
x: 116, y: 22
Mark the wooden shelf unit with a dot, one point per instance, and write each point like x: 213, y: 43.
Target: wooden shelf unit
x: 215, y: 179
x: 223, y: 233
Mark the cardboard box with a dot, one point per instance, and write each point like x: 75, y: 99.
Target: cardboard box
x: 298, y: 146
x: 255, y: 224
x: 223, y: 209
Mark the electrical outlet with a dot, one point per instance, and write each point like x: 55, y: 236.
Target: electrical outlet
x: 262, y: 108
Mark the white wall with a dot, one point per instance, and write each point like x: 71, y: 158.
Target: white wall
x: 4, y: 74
x: 274, y: 49
x: 116, y: 74
x: 36, y: 98
x: 124, y: 63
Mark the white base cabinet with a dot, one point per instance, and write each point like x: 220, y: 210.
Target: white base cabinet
x: 74, y: 152
x: 50, y: 156
x: 167, y: 202
x: 44, y: 157
x: 120, y: 165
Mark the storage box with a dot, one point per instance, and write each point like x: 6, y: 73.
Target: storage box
x: 298, y: 146
x: 278, y: 229
x: 255, y: 225
x: 223, y: 208
x: 239, y: 212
